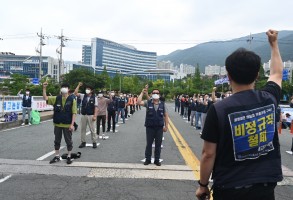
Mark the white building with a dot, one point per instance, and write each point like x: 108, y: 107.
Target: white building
x: 288, y: 65
x: 211, y: 70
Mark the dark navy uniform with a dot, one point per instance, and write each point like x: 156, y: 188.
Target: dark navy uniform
x: 154, y: 123
x: 112, y: 109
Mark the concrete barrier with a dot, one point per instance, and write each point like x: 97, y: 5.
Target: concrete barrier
x: 46, y: 115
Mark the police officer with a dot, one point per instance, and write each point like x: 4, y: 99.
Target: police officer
x: 63, y: 118
x: 241, y: 145
x: 156, y: 122
x: 89, y: 107
x: 112, y: 110
x: 26, y: 105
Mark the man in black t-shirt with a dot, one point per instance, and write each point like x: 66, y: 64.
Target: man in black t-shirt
x: 241, y: 146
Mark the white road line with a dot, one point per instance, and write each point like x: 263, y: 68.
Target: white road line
x: 52, y: 152
x: 49, y: 154
x: 23, y: 126
x: 5, y: 178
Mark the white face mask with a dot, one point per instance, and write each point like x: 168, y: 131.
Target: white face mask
x: 87, y: 91
x: 155, y: 96
x: 112, y: 94
x: 27, y: 93
x: 121, y: 95
x: 64, y: 90
x: 100, y: 95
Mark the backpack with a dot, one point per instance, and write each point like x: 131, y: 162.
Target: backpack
x: 35, y: 117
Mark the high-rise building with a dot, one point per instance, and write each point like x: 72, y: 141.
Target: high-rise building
x: 28, y: 65
x: 118, y: 57
x: 86, y: 54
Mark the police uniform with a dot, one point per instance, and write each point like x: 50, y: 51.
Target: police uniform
x: 154, y: 123
x: 244, y: 127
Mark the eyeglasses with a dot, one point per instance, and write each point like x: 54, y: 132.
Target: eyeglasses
x: 155, y: 93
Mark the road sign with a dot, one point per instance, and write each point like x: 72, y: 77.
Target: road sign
x: 35, y: 81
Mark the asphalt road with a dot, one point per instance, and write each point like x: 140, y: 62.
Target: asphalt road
x: 112, y: 171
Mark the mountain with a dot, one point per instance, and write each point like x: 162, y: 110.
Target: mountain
x: 215, y: 52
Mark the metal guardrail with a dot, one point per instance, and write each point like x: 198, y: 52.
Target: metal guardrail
x: 14, y: 104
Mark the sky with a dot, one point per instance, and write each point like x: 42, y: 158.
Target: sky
x: 161, y: 26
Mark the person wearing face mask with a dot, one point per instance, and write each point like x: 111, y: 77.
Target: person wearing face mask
x: 112, y: 110
x: 156, y: 122
x: 101, y: 113
x: 26, y: 105
x: 126, y: 96
x: 65, y: 110
x: 89, y: 107
x: 121, y: 103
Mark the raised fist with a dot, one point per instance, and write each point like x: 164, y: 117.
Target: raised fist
x: 272, y: 36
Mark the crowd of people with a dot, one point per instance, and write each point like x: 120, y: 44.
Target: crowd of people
x: 95, y: 109
x: 241, y: 149
x: 194, y: 108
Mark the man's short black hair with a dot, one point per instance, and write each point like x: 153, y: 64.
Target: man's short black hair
x: 90, y: 87
x: 27, y: 89
x: 156, y: 89
x: 65, y: 85
x: 243, y: 66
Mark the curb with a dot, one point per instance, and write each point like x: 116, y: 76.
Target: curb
x: 7, y: 125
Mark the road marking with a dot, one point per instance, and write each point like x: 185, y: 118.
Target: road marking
x: 187, y: 154
x: 5, y: 178
x: 49, y: 154
x: 52, y: 152
x: 23, y: 126
x: 152, y: 160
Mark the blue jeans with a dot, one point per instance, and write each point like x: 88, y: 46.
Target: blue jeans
x: 120, y: 110
x: 28, y: 111
x: 197, y: 118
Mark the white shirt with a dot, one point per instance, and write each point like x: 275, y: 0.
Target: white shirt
x: 82, y: 96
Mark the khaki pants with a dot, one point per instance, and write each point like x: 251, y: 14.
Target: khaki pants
x: 88, y: 120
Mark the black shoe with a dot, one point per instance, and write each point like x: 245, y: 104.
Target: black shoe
x: 55, y: 159
x: 147, y: 162
x: 113, y: 131
x: 157, y: 162
x: 68, y: 160
x: 94, y: 145
x: 75, y: 127
x: 82, y: 145
x: 107, y: 130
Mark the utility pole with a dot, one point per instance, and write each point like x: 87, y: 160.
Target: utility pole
x: 62, y: 39
x: 41, y: 36
x: 249, y: 40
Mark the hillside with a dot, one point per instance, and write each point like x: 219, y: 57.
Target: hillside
x: 215, y: 52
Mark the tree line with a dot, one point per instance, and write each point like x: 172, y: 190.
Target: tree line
x: 192, y: 84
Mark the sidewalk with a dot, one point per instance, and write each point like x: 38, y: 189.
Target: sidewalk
x: 45, y: 115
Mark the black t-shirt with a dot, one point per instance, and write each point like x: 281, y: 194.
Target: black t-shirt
x: 233, y: 123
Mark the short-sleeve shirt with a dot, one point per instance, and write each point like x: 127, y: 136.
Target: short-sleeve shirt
x: 102, y: 106
x: 82, y: 96
x: 244, y: 128
x: 52, y: 100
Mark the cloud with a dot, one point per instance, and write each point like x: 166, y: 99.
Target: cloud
x: 162, y: 26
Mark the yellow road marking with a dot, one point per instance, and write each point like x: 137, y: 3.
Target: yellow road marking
x: 186, y: 152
